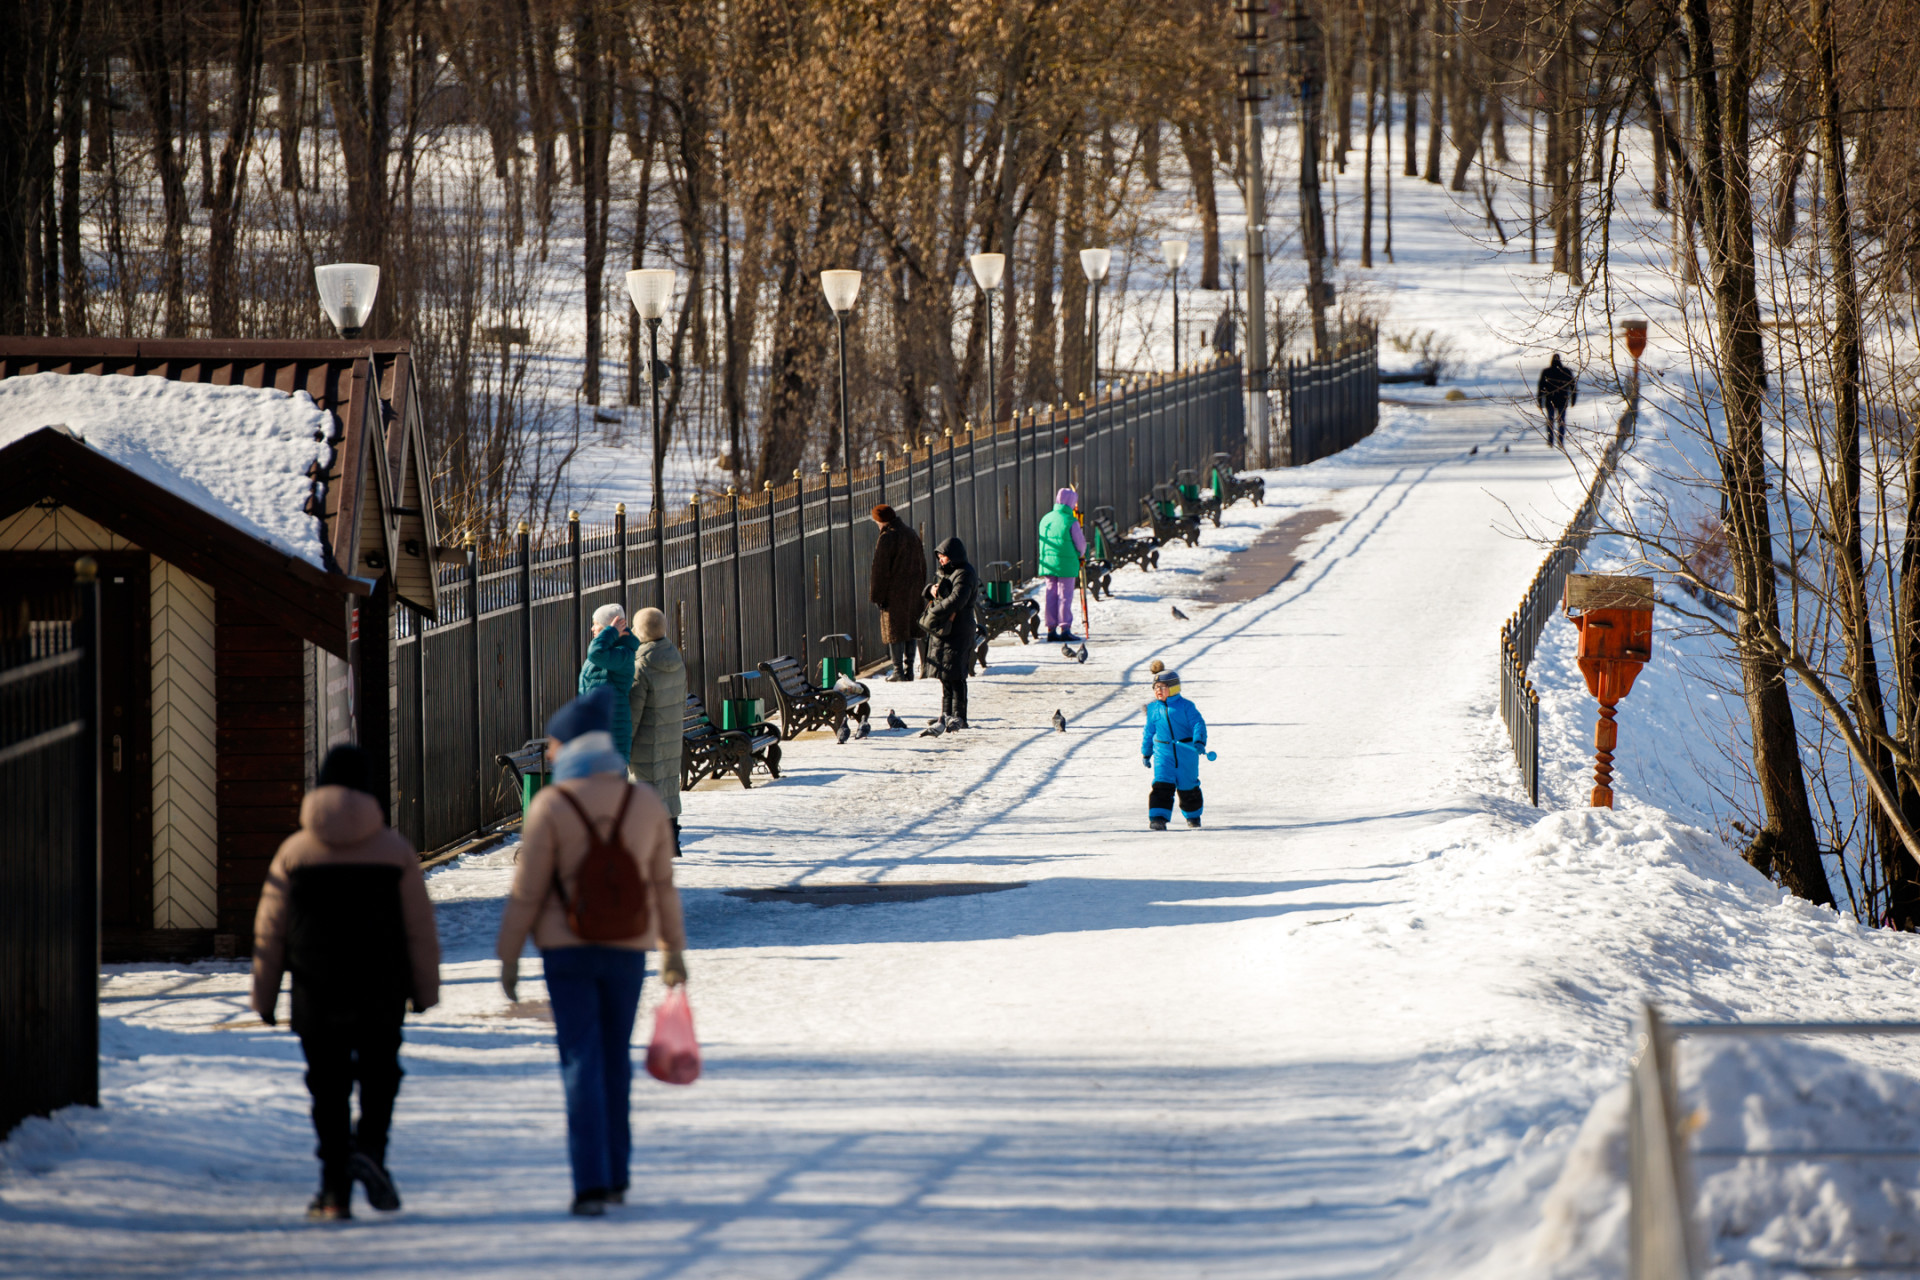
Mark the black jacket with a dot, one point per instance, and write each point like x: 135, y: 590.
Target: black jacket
x: 1556, y: 384
x: 948, y: 619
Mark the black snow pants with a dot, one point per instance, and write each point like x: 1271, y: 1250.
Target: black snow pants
x: 953, y: 698
x: 1160, y: 801
x: 1556, y: 407
x: 344, y: 1044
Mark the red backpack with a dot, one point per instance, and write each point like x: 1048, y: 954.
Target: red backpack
x: 609, y: 896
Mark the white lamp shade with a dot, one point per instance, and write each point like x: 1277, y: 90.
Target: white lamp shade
x: 1175, y: 251
x: 841, y: 288
x: 1094, y: 262
x: 347, y: 290
x: 1237, y: 250
x: 651, y: 289
x: 988, y: 268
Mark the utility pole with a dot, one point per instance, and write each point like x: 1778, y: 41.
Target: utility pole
x: 1252, y: 94
x: 1313, y: 222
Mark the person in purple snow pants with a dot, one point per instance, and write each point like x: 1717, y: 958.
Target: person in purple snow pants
x: 1062, y: 544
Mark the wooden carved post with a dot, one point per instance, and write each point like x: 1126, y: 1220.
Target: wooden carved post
x: 1616, y: 639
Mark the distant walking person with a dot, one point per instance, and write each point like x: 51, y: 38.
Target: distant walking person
x: 1171, y: 745
x: 345, y: 910
x: 949, y: 624
x: 1062, y: 544
x: 657, y: 709
x: 1556, y: 391
x: 594, y: 885
x: 898, y: 577
x: 610, y: 662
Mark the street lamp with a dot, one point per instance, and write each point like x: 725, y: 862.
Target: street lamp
x: 987, y: 270
x: 1176, y: 255
x: 347, y: 291
x: 1093, y: 263
x: 841, y: 288
x: 1236, y: 254
x: 651, y: 288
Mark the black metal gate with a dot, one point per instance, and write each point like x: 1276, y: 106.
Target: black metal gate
x: 49, y: 848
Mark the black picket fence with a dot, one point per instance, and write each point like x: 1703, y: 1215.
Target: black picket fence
x: 1332, y: 402
x: 758, y: 576
x: 49, y: 855
x: 1520, y: 634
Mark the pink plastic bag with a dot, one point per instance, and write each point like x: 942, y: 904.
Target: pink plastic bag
x: 673, y: 1057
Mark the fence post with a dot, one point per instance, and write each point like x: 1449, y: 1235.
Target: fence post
x: 700, y: 595
x: 85, y: 906
x: 953, y: 489
x: 579, y: 623
x: 973, y: 480
x: 620, y: 551
x: 806, y: 570
x: 739, y: 594
x: 933, y: 505
x: 526, y: 631
x: 773, y: 566
x: 473, y: 626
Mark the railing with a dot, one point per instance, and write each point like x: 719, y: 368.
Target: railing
x: 756, y: 576
x: 49, y: 854
x: 1663, y: 1240
x: 1520, y: 634
x: 1332, y: 403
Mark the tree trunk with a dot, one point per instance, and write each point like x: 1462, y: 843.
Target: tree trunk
x: 1410, y: 73
x: 229, y: 191
x: 596, y: 126
x: 1074, y: 370
x: 74, y: 292
x: 1436, y: 90
x: 360, y: 87
x: 157, y: 40
x: 1042, y: 381
x: 1196, y: 143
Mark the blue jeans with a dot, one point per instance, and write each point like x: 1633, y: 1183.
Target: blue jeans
x: 595, y: 992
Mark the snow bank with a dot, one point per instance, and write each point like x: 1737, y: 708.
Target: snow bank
x: 240, y: 454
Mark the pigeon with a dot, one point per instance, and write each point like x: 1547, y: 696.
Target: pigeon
x: 894, y: 721
x: 1066, y: 651
x: 1080, y: 655
x: 1506, y: 448
x: 841, y: 733
x: 1177, y: 615
x: 933, y: 730
x: 862, y: 730
x: 1473, y: 451
x: 1059, y: 722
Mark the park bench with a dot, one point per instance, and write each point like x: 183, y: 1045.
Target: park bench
x: 1162, y: 515
x: 997, y: 610
x: 803, y: 707
x: 1114, y: 549
x: 1186, y: 486
x: 526, y: 770
x: 1230, y: 486
x: 707, y: 750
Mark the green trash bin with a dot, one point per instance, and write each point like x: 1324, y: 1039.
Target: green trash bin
x: 836, y: 659
x: 741, y: 706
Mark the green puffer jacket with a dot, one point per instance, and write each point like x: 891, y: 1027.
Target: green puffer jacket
x: 610, y: 662
x: 1060, y: 543
x: 659, y: 706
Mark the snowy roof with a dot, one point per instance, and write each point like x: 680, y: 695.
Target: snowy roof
x: 241, y: 454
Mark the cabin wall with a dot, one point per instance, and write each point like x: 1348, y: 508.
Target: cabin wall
x: 261, y: 728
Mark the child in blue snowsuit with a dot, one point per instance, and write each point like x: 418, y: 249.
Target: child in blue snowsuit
x: 1171, y: 745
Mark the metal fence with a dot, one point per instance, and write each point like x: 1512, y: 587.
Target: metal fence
x: 758, y: 576
x: 1520, y: 634
x: 1332, y: 402
x: 49, y: 856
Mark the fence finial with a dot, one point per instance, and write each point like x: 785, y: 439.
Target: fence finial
x: 619, y: 508
x: 825, y: 470
x: 732, y: 492
x: 767, y: 485
x: 524, y: 528
x: 573, y: 516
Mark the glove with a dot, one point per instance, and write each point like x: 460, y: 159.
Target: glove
x: 510, y: 979
x: 1146, y: 762
x: 673, y: 969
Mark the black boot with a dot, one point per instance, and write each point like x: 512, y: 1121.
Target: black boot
x: 371, y: 1174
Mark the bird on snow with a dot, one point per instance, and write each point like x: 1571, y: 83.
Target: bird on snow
x: 1473, y: 451
x: 894, y: 721
x: 933, y: 730
x: 862, y: 730
x: 841, y: 733
x: 1066, y: 651
x: 1177, y: 615
x: 1059, y: 722
x: 1080, y: 655
x: 1505, y: 448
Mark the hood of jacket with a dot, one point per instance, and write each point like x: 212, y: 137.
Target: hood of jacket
x: 1066, y: 498
x: 660, y: 655
x: 953, y: 549
x: 340, y: 815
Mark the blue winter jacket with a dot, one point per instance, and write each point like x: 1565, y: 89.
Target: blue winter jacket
x: 1175, y: 738
x: 610, y: 662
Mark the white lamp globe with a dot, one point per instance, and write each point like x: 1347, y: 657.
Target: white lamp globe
x: 987, y: 269
x: 1094, y: 262
x: 651, y: 289
x: 841, y: 288
x: 1175, y: 252
x: 347, y: 291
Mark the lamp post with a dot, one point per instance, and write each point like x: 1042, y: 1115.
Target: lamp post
x: 1176, y: 255
x: 842, y: 288
x: 651, y: 288
x: 987, y: 270
x: 1236, y: 254
x: 347, y: 291
x: 1094, y: 263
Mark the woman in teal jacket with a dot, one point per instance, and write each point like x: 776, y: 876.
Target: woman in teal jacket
x: 610, y: 662
x: 1171, y: 745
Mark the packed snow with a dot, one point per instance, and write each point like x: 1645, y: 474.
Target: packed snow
x: 241, y: 454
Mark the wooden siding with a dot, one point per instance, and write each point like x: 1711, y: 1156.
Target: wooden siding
x: 185, y: 759
x: 57, y: 529
x: 262, y: 760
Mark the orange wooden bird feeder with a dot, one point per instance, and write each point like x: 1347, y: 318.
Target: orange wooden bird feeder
x: 1614, y: 615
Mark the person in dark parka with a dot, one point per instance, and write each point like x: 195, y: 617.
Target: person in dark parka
x: 1556, y: 390
x: 949, y: 624
x: 898, y: 577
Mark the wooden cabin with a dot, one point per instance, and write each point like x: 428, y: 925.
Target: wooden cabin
x: 257, y: 516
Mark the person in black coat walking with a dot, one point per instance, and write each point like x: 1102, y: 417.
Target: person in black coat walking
x: 948, y: 622
x: 1556, y: 390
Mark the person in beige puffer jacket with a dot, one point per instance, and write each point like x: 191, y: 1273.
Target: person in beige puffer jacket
x: 345, y: 910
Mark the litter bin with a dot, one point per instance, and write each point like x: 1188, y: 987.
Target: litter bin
x: 998, y: 580
x: 836, y: 659
x: 741, y: 706
x: 1187, y: 484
